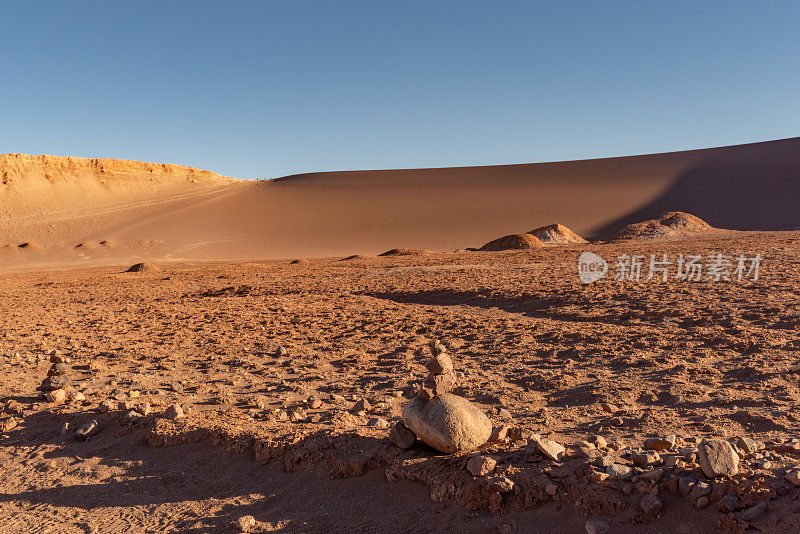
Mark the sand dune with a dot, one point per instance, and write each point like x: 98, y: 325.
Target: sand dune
x: 170, y: 212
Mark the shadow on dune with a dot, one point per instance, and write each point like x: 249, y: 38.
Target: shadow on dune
x: 749, y: 187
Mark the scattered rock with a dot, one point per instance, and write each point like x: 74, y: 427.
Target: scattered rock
x: 754, y: 512
x: 56, y: 396
x: 87, y: 430
x: 717, y: 458
x: 173, y: 412
x: 747, y: 445
x: 551, y: 449
x: 481, y: 466
x: 661, y: 444
x: 793, y: 476
x: 362, y: 405
x: 500, y: 484
x: 401, y: 436
x: 622, y: 472
x: 651, y: 504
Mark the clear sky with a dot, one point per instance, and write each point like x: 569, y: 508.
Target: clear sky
x: 268, y: 88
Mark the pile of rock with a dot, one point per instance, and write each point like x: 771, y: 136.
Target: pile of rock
x: 444, y: 421
x: 57, y: 381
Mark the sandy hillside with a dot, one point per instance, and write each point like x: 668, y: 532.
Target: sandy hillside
x: 121, y: 211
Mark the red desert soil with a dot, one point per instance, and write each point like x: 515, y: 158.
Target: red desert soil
x: 271, y: 433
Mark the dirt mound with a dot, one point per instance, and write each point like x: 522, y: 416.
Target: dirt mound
x: 299, y: 262
x: 357, y: 257
x: 513, y: 242
x: 143, y: 268
x: 557, y: 234
x: 670, y: 225
x: 405, y: 252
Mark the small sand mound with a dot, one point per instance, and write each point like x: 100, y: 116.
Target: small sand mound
x: 513, y: 242
x: 299, y: 262
x: 143, y: 268
x: 405, y: 252
x: 671, y: 224
x: 557, y: 234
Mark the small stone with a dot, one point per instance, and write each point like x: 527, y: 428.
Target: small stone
x: 106, y: 406
x: 177, y: 387
x: 56, y: 396
x: 551, y: 449
x: 653, y: 476
x: 436, y: 385
x: 362, y: 405
x: 754, y: 512
x: 77, y: 396
x: 729, y: 503
x: 314, y: 402
x: 598, y: 441
x: 604, y: 461
x: 481, y: 466
x: 438, y: 348
x: 747, y: 445
x: 401, y: 436
x: 64, y: 428
x: 9, y: 424
x: 173, y: 412
x: 58, y: 369
x: 298, y: 415
x: 685, y: 485
x: 500, y: 484
x: 246, y: 523
x: 440, y: 364
x: 132, y: 417
x: 87, y: 430
x: 596, y: 527
x: 551, y: 489
x: 661, y: 444
x: 622, y: 472
x: 702, y: 502
x: 793, y: 477
x: 609, y: 408
x: 646, y: 458
x: 700, y: 489
x: 281, y: 352
x: 499, y: 433
x: 378, y: 422
x: 717, y: 458
x: 54, y: 382
x: 651, y: 504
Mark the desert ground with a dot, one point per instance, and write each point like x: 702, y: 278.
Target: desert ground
x: 250, y: 374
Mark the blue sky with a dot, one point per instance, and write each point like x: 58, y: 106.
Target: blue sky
x: 267, y: 88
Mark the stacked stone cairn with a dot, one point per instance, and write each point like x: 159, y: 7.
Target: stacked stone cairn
x: 445, y: 421
x: 57, y: 381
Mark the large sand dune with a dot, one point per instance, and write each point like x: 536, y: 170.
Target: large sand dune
x: 170, y: 212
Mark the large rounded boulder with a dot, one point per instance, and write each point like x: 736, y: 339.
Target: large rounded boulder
x: 447, y: 423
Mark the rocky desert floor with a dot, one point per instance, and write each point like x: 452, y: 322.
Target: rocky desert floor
x: 225, y: 392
